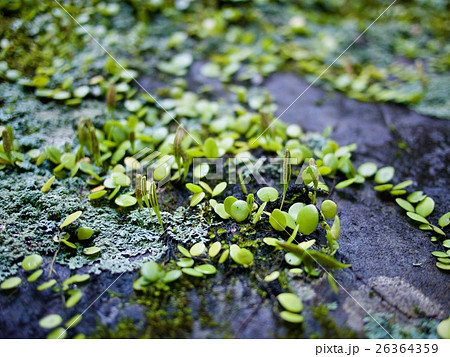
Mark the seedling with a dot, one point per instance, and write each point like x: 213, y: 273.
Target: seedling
x: 111, y: 96
x: 6, y: 157
x: 199, y: 194
x: 287, y: 171
x: 152, y: 200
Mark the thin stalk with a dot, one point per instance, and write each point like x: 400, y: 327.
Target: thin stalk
x: 287, y: 172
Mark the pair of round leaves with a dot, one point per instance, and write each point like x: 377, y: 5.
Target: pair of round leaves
x: 293, y: 305
x: 237, y: 209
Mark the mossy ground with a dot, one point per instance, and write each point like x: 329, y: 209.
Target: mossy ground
x: 236, y: 302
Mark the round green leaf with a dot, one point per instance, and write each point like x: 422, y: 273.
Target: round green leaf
x: 125, y: 201
x: 382, y: 188
x: 291, y: 317
x: 210, y: 148
x: 308, y: 219
x: 241, y: 256
x: 271, y: 241
x: 228, y: 203
x: 185, y: 262
x: 417, y: 217
x: 85, y: 233
x: 184, y: 251
x: 152, y: 271
x: 443, y: 329
x: 76, y: 278
x: 207, y: 269
x: 439, y: 254
x: 68, y: 160
x: 81, y: 92
x: 11, y: 283
x: 201, y: 170
x: 402, y: 185
x: 329, y: 209
x: 416, y: 196
x: 292, y: 259
x: 295, y: 208
x: 443, y: 266
x: 277, y: 220
x: 290, y: 302
x: 192, y: 272
x: 385, y: 174
x: 194, y: 188
x: 161, y: 171
x: 345, y: 183
x: 425, y: 207
x: 220, y: 210
x: 444, y: 221
x: 219, y: 189
x: 405, y: 204
x: 97, y: 195
x: 70, y: 219
x: 272, y: 276
x: 32, y: 262
x: 46, y: 285
x: 74, y: 298
x: 197, y: 249
x: 171, y: 276
x: 224, y: 256
x: 48, y: 184
x: 267, y: 194
x: 214, y: 249
x: 239, y: 210
x: 367, y: 169
x: 57, y: 334
x: 197, y: 198
x: 50, y: 321
x: 73, y: 321
x: 35, y: 276
x: 91, y: 250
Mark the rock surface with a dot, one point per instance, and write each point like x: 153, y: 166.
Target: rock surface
x: 393, y: 274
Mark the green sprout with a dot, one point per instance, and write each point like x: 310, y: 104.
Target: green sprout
x: 141, y: 188
x: 177, y: 148
x: 94, y: 142
x: 153, y: 199
x: 179, y: 153
x: 311, y: 175
x: 8, y: 146
x: 148, y: 195
x: 111, y: 96
x: 287, y: 172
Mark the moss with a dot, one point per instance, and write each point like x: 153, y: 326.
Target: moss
x: 330, y: 328
x: 165, y: 317
x: 31, y: 219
